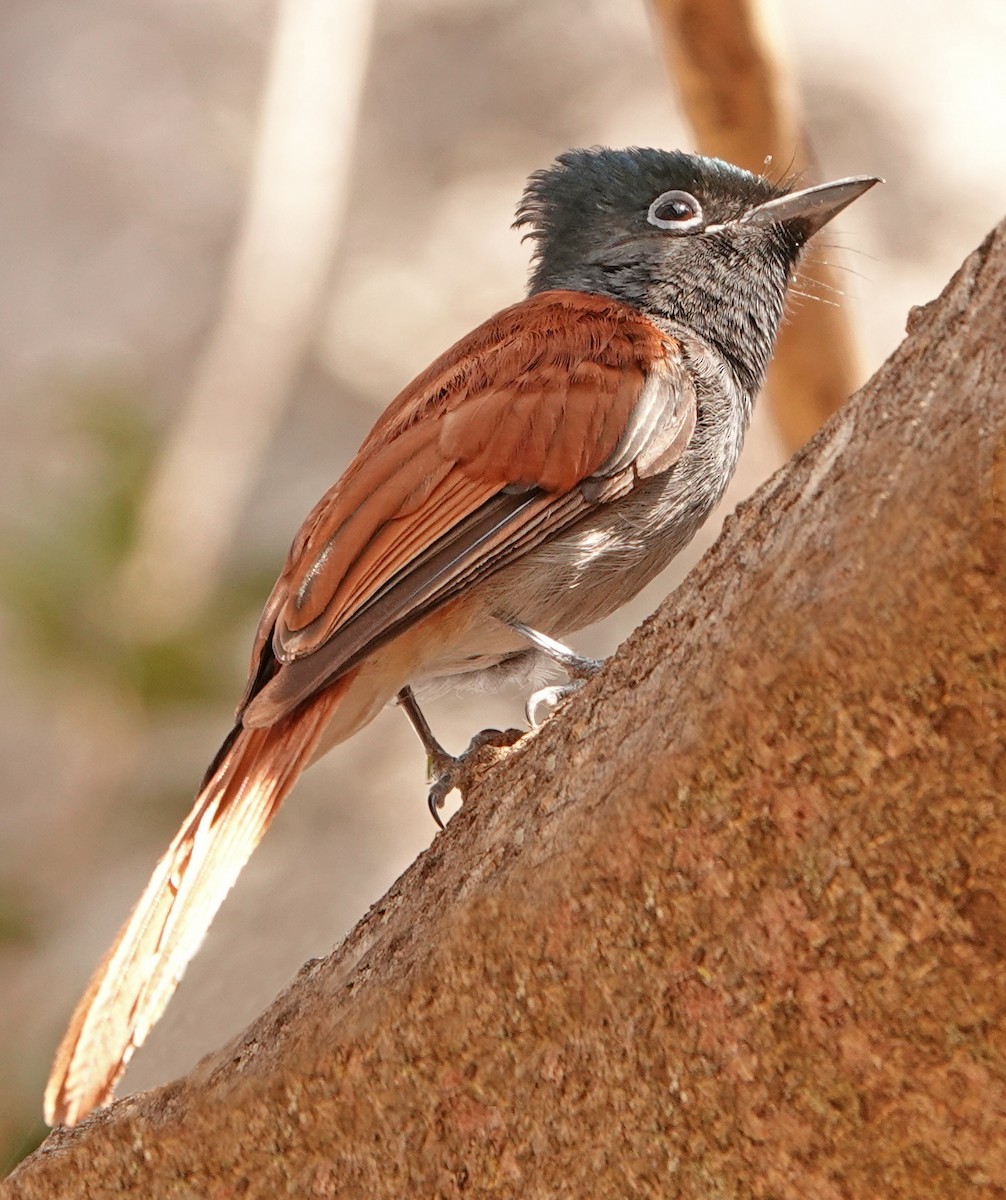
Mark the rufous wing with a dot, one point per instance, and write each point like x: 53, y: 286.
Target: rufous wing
x: 544, y: 411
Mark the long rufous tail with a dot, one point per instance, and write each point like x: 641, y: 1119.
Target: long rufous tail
x: 136, y: 978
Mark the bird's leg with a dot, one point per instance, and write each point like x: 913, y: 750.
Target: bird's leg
x: 580, y: 667
x: 448, y: 771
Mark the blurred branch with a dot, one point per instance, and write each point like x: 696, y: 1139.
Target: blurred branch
x: 274, y: 289
x: 727, y: 60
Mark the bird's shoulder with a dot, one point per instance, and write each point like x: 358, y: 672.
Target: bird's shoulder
x: 547, y: 341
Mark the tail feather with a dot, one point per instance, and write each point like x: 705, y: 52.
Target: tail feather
x: 136, y: 978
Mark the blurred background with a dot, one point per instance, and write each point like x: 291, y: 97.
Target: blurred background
x: 229, y: 233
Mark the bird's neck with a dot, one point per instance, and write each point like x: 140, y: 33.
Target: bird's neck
x: 736, y: 313
x: 743, y: 335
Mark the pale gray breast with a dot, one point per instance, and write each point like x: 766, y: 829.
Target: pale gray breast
x: 590, y: 570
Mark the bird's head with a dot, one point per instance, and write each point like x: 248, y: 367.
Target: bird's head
x: 691, y: 241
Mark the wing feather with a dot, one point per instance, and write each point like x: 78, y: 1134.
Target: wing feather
x: 506, y: 439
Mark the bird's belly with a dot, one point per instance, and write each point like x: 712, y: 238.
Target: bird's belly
x: 587, y: 572
x: 571, y: 581
x: 593, y: 569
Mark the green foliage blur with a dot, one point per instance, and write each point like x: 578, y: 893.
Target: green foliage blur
x: 59, y: 572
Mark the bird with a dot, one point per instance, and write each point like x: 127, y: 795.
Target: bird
x: 525, y: 485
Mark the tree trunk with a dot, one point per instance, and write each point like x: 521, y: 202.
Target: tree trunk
x: 732, y: 924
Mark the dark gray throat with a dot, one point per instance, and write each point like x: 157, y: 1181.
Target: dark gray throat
x: 741, y: 328
x: 737, y: 312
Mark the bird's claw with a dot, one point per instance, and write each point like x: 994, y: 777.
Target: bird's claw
x: 581, y: 669
x: 549, y: 697
x: 448, y: 771
x: 438, y: 795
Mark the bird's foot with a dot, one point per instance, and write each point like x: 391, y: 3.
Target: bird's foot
x: 549, y: 698
x: 448, y: 771
x: 578, y: 666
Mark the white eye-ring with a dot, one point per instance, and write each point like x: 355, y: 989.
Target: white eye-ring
x: 679, y: 212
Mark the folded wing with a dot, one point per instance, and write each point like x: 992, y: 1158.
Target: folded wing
x: 556, y: 404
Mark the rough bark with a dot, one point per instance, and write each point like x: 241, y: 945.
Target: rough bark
x: 731, y: 925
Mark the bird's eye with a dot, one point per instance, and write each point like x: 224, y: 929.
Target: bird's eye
x: 677, y: 211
